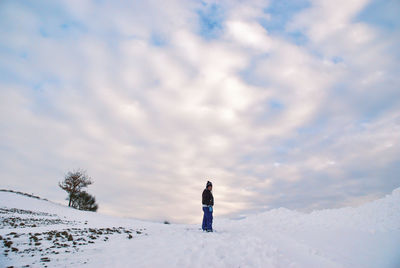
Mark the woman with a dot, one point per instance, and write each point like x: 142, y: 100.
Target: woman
x: 208, y: 203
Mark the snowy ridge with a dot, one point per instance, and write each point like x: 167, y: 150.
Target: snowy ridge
x: 39, y: 233
x: 379, y: 215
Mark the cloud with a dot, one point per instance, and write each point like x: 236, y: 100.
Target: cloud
x: 154, y: 99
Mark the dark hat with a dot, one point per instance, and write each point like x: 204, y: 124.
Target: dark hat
x: 208, y: 184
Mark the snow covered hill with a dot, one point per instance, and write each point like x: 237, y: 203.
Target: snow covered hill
x: 39, y: 233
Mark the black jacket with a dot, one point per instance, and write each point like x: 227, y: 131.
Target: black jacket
x: 208, y: 198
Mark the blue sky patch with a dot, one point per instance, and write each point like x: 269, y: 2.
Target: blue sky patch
x: 281, y: 12
x: 43, y: 32
x: 210, y: 20
x: 158, y: 40
x: 383, y: 14
x: 337, y: 59
x: 276, y: 105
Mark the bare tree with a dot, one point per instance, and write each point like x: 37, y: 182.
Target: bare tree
x: 73, y: 184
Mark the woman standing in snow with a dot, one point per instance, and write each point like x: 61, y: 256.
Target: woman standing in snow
x: 208, y: 203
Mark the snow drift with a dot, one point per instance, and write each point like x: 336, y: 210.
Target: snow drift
x: 37, y: 233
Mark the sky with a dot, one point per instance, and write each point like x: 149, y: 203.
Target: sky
x: 291, y: 104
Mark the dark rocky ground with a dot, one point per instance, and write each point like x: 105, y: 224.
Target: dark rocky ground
x: 39, y: 238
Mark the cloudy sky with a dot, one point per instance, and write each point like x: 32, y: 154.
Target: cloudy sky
x: 279, y: 103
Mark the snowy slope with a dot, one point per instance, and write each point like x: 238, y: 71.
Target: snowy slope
x: 40, y: 233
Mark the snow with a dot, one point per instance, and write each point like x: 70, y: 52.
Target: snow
x: 364, y: 236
